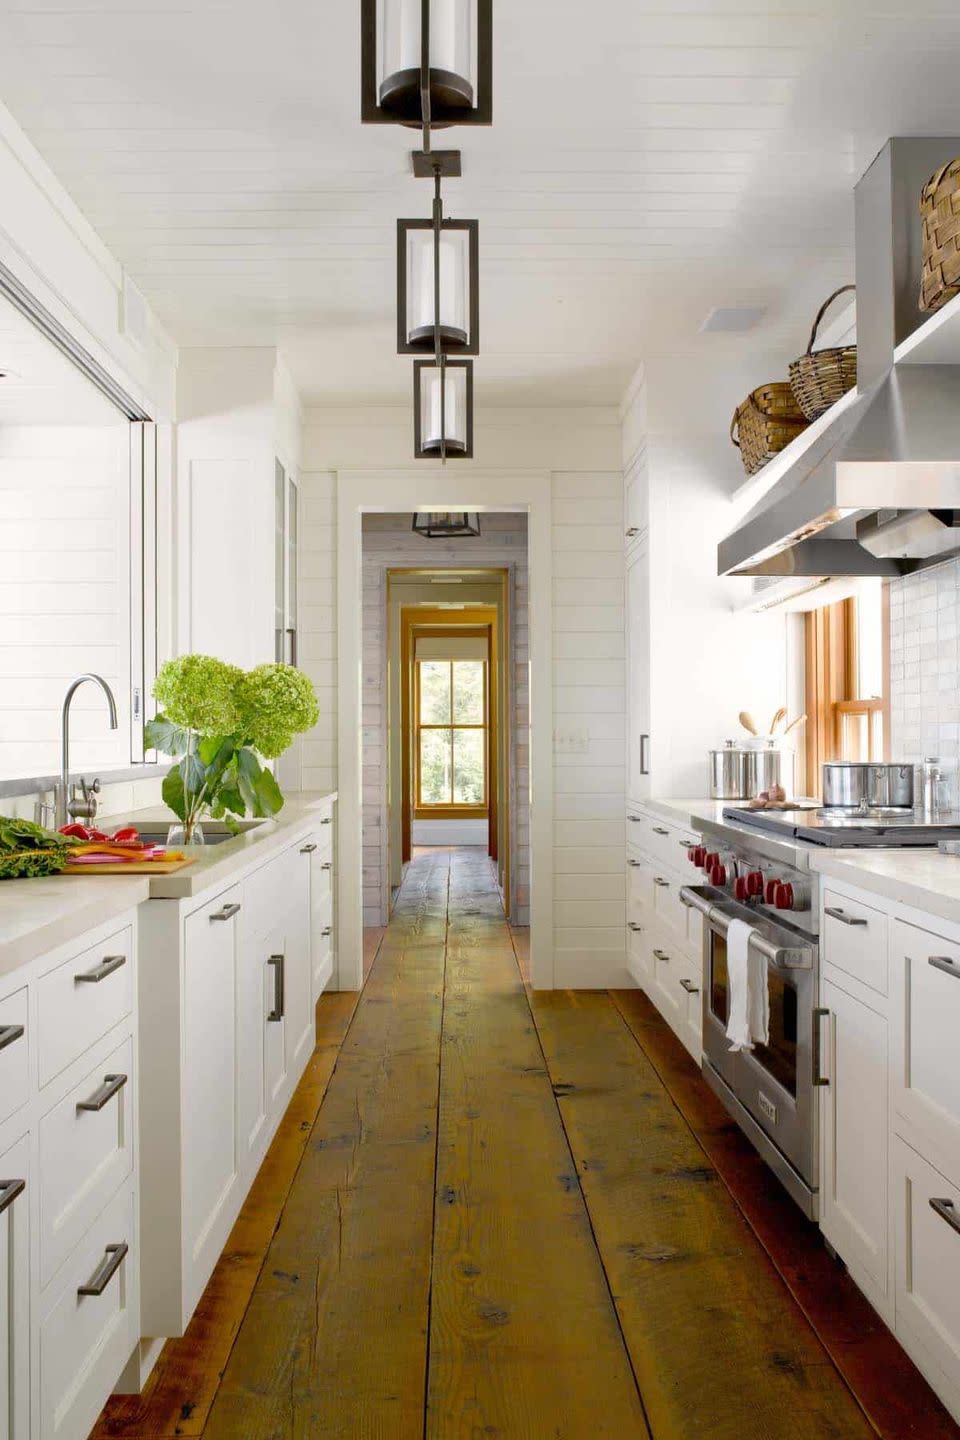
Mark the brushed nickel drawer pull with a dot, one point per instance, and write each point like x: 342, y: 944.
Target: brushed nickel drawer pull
x: 657, y: 830
x: 635, y: 819
x: 307, y: 849
x: 113, y: 1258
x: 689, y: 986
x: 659, y: 880
x: 9, y: 1033
x: 327, y: 930
x: 9, y: 1190
x: 633, y: 530
x: 108, y: 965
x: 947, y: 1211
x: 112, y: 1085
x: 836, y: 914
x: 687, y: 844
x: 662, y: 955
x: 228, y: 911
x: 278, y: 963
x: 327, y: 821
x: 944, y: 963
x: 634, y: 863
x: 632, y: 925
x: 327, y: 865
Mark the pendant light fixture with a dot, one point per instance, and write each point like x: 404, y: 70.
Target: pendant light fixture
x: 438, y: 291
x: 447, y: 524
x: 443, y: 409
x: 426, y: 62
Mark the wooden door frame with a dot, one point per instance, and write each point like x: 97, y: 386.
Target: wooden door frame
x: 435, y: 487
x: 475, y: 619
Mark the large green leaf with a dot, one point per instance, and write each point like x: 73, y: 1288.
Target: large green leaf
x: 248, y: 775
x: 172, y: 792
x: 163, y: 735
x: 269, y: 794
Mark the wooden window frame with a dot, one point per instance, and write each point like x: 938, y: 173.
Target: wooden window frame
x: 452, y: 809
x: 832, y: 684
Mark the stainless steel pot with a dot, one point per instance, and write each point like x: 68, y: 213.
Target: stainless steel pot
x: 850, y: 785
x: 728, y: 772
x: 766, y: 768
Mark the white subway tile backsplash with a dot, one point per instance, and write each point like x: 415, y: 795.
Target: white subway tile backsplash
x: 925, y: 664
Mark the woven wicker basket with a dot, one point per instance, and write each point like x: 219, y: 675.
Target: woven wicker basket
x: 940, y: 214
x: 764, y: 423
x: 820, y: 377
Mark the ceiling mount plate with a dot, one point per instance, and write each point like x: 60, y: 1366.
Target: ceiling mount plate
x: 446, y: 163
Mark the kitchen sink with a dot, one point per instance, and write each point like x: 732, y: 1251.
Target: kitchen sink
x: 215, y: 832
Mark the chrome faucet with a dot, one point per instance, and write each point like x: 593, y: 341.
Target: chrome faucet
x: 68, y: 808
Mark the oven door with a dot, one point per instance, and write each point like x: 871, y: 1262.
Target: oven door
x: 772, y: 1082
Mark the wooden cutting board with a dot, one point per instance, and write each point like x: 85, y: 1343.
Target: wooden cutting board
x: 129, y: 867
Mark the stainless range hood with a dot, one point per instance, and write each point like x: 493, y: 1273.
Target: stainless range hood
x: 877, y: 491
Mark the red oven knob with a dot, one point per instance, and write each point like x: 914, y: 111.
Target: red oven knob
x: 741, y: 888
x: 718, y: 875
x: 692, y: 855
x: 710, y: 859
x: 770, y: 892
x: 755, y: 882
x: 786, y: 897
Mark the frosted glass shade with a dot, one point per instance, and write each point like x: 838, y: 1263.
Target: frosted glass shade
x: 452, y: 29
x: 454, y: 411
x: 457, y: 248
x: 459, y: 62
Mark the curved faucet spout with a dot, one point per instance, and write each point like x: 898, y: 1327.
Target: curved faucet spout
x: 64, y: 786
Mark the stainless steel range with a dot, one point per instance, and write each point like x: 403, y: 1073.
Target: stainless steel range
x: 757, y: 868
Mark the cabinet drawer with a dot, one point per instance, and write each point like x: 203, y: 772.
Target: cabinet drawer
x: 86, y: 1339
x: 926, y: 1008
x: 81, y: 1000
x: 691, y: 984
x: 928, y: 1256
x: 639, y: 888
x: 639, y: 954
x: 85, y: 1154
x: 14, y: 1052
x: 668, y: 845
x: 667, y: 906
x: 669, y: 965
x: 855, y: 940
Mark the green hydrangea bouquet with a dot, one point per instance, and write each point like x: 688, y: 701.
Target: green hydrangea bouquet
x: 219, y: 722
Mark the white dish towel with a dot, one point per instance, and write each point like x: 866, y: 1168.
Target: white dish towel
x: 748, y: 993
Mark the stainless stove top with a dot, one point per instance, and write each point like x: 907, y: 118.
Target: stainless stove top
x: 850, y: 829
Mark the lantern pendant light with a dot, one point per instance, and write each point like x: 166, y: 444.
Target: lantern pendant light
x: 447, y: 524
x: 438, y: 291
x: 443, y: 409
x: 426, y: 62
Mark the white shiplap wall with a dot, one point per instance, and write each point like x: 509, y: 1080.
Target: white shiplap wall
x: 318, y: 622
x: 589, y: 728
x: 64, y: 592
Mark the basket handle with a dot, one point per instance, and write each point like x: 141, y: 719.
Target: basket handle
x: 822, y: 311
x: 934, y: 182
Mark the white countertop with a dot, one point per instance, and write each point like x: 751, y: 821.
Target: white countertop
x: 38, y: 915
x: 922, y: 878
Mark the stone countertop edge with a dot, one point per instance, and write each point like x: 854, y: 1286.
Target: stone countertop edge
x: 921, y: 878
x: 39, y: 915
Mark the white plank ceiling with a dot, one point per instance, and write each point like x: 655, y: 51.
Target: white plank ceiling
x: 649, y: 160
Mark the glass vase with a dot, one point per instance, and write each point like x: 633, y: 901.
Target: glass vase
x: 188, y: 832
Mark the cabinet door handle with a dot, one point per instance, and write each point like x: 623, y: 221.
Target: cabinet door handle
x: 327, y: 930
x: 644, y: 757
x: 634, y: 863
x: 659, y: 880
x: 327, y: 865
x: 278, y: 962
x: 819, y: 1013
x: 635, y: 819
x: 944, y: 963
x: 293, y: 644
x: 633, y: 530
x: 327, y: 820
x: 9, y: 1190
x: 307, y: 849
x: 107, y: 966
x: 632, y: 925
x: 688, y: 844
x: 113, y: 1258
x: 689, y: 986
x: 837, y: 914
x: 662, y: 955
x: 9, y: 1033
x: 947, y: 1211
x: 112, y: 1085
x: 659, y: 830
x: 228, y: 911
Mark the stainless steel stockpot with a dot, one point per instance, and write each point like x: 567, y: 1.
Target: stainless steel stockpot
x: 850, y: 785
x: 728, y: 772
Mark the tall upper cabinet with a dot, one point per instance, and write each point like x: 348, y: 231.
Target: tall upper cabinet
x: 238, y: 438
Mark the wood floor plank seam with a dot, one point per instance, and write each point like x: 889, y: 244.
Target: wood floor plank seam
x: 436, y: 1163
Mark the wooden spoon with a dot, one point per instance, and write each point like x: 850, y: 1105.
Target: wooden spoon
x: 747, y: 721
x: 778, y: 719
x: 794, y: 723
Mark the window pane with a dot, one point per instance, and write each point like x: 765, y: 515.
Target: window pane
x: 435, y: 760
x: 434, y: 692
x: 468, y: 692
x: 468, y: 767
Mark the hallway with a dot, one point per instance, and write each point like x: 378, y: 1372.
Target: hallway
x: 506, y: 1224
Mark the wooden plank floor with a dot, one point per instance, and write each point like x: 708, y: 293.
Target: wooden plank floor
x: 515, y: 1217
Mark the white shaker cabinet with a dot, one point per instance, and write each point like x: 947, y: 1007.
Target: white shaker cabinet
x: 15, y: 1182
x: 854, y: 1136
x: 639, y: 745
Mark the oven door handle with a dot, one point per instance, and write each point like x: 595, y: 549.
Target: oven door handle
x: 799, y: 957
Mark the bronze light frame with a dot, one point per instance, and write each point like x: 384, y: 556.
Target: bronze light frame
x: 432, y: 97
x: 442, y: 451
